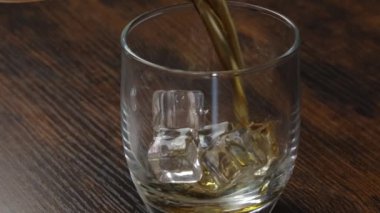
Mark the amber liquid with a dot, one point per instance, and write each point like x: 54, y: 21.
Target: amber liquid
x: 244, y: 161
x: 220, y: 26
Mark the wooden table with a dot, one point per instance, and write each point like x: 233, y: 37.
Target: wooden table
x: 60, y: 144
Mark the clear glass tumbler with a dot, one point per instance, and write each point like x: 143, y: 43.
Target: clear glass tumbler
x: 185, y: 147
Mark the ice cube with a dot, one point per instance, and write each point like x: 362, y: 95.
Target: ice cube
x: 174, y: 109
x: 209, y: 132
x: 236, y: 155
x: 173, y: 156
x: 221, y: 161
x: 261, y: 141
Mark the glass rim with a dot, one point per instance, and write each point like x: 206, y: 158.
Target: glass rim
x: 254, y: 68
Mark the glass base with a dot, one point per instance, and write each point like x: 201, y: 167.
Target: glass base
x: 268, y: 208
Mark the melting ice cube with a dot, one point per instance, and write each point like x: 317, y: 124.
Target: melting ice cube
x: 173, y: 157
x: 237, y: 154
x: 177, y: 116
x: 174, y: 109
x: 210, y: 132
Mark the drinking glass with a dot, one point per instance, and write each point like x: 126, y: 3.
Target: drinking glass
x: 186, y: 149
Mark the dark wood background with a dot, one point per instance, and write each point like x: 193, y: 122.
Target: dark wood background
x: 60, y: 144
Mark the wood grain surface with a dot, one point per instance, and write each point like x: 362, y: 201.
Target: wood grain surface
x: 60, y: 143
